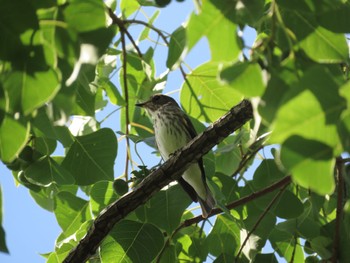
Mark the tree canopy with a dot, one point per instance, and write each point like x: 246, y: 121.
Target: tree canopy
x: 62, y: 62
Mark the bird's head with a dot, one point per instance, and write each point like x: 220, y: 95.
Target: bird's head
x: 156, y: 102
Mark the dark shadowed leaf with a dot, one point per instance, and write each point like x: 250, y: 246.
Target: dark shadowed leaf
x: 131, y: 241
x: 157, y: 211
x: 91, y: 157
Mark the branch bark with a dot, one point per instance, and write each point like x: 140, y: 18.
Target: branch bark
x: 166, y: 173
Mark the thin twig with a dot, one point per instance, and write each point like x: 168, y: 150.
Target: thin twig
x: 260, y: 219
x: 120, y: 23
x: 339, y: 212
x: 294, y: 249
x: 253, y: 149
x: 126, y: 93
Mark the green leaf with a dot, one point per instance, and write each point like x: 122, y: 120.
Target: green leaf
x: 340, y: 11
x: 321, y: 245
x: 286, y: 245
x: 169, y: 255
x: 101, y: 195
x: 91, y: 157
x: 249, y: 12
x: 176, y: 48
x: 113, y: 93
x: 78, y: 15
x: 30, y: 90
x: 227, y: 156
x: 12, y: 24
x: 46, y: 196
x: 267, y: 224
x: 194, y: 247
x: 146, y: 30
x: 43, y: 145
x: 311, y: 110
x: 71, y: 212
x: 228, y: 188
x: 46, y: 171
x: 165, y: 209
x: 3, y: 246
x: 310, y: 163
x: 214, y: 23
x: 205, y: 98
x: 266, y: 174
x: 13, y: 137
x: 128, y: 7
x: 244, y: 77
x: 289, y: 206
x: 318, y: 43
x: 224, y: 237
x: 131, y: 241
x: 85, y: 92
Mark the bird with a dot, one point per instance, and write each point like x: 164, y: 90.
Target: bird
x: 173, y: 129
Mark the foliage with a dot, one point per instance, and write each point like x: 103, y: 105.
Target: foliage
x: 57, y: 62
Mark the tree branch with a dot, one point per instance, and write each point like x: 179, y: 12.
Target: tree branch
x: 166, y: 173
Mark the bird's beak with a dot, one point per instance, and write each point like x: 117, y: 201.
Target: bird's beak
x: 141, y: 104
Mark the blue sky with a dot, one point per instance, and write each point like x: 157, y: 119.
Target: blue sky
x: 31, y: 230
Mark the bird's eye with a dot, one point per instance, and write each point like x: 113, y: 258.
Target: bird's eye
x: 155, y: 98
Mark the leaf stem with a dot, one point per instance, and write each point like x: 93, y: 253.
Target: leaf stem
x: 339, y: 166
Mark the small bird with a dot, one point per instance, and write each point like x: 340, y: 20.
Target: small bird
x: 173, y: 130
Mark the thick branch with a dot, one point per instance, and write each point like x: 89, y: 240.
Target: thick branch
x: 169, y: 171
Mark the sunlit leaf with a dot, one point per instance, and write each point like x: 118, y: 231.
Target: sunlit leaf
x: 311, y: 110
x: 244, y: 77
x: 15, y: 134
x: 310, y: 163
x: 102, y: 194
x: 70, y: 211
x: 214, y: 23
x: 206, y: 98
x: 176, y: 47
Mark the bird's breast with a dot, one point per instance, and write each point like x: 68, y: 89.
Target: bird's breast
x: 170, y: 135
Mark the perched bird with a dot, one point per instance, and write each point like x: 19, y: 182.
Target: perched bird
x: 173, y: 130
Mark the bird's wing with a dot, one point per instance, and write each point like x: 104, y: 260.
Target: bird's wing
x: 188, y: 124
x: 188, y: 189
x: 193, y: 134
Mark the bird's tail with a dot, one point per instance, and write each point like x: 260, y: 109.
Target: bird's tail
x: 208, y: 204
